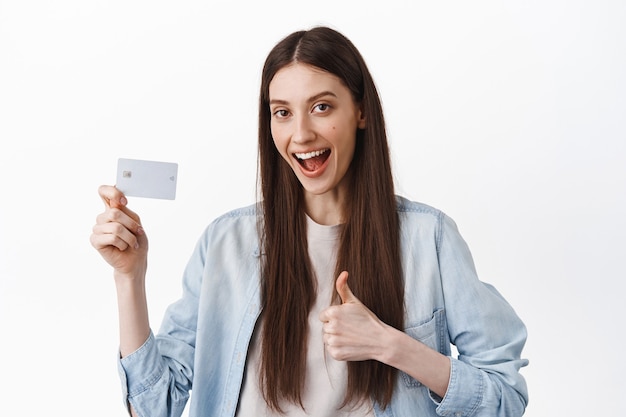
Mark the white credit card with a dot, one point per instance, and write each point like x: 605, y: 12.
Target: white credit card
x: 150, y: 179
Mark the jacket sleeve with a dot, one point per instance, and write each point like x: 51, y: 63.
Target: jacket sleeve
x: 157, y: 378
x: 488, y: 334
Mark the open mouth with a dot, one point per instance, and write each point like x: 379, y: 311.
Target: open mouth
x: 312, y: 161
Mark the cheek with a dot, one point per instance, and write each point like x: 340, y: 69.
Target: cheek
x: 276, y: 137
x: 280, y: 145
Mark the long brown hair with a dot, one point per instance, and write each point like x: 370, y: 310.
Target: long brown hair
x: 369, y: 248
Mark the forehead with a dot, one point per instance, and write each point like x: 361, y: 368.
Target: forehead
x: 299, y: 79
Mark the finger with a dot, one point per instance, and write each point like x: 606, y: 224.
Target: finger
x: 326, y: 339
x: 324, y: 316
x: 131, y: 214
x: 112, y: 197
x: 344, y: 290
x: 124, y: 216
x: 113, y: 234
x: 328, y: 327
x: 329, y: 314
x: 102, y: 241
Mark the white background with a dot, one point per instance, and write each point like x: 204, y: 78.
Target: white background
x: 508, y: 116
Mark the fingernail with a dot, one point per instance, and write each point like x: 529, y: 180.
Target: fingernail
x: 140, y: 230
x: 136, y: 245
x: 123, y: 201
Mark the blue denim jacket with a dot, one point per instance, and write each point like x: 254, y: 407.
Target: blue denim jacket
x: 204, y: 336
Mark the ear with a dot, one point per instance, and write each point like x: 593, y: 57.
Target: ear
x: 361, y: 121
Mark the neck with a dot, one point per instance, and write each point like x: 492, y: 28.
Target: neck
x: 325, y: 209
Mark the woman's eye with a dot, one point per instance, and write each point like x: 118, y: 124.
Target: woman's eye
x: 322, y: 107
x: 281, y: 113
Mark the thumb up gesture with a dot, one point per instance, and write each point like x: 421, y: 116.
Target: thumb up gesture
x: 351, y: 331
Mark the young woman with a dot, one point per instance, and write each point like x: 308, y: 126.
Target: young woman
x: 332, y: 296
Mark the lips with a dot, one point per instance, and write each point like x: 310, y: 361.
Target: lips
x: 312, y: 161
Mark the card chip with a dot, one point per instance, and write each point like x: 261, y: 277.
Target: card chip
x: 127, y: 174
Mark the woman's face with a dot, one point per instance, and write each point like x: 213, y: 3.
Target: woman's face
x: 314, y: 121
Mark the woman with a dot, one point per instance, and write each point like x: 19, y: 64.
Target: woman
x: 330, y: 297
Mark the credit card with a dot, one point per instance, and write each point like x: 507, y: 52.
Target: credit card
x: 149, y: 179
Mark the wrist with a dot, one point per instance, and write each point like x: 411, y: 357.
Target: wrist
x: 133, y: 275
x: 129, y: 283
x: 389, y: 344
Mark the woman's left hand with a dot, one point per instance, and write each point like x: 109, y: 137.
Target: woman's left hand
x: 351, y: 331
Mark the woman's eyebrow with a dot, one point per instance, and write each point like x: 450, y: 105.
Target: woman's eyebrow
x: 311, y: 99
x: 322, y: 94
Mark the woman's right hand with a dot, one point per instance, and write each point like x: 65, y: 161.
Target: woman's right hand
x: 119, y: 236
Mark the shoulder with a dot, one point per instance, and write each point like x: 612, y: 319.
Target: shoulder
x: 239, y: 214
x: 237, y: 224
x: 404, y: 205
x: 422, y: 219
x: 416, y: 211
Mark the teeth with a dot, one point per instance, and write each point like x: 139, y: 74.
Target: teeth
x: 309, y: 155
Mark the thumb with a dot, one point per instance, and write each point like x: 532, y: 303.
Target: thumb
x: 112, y: 197
x: 344, y: 290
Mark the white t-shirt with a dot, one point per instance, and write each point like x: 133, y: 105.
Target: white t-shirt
x: 326, y: 378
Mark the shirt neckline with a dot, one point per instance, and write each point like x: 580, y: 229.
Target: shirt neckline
x: 318, y: 231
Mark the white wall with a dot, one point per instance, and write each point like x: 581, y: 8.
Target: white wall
x: 509, y: 116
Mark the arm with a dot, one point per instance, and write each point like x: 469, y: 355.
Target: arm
x: 488, y: 334
x: 353, y: 333
x: 485, y: 379
x: 156, y: 372
x: 122, y: 242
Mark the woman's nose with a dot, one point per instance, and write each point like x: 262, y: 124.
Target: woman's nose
x: 303, y: 130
